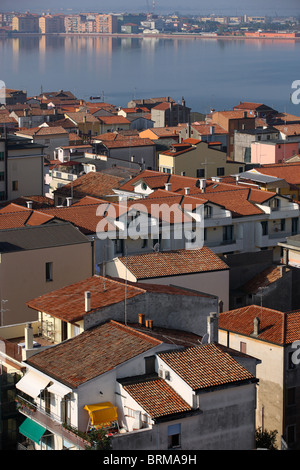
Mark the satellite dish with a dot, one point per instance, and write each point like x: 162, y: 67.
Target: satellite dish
x: 205, y: 339
x: 156, y: 247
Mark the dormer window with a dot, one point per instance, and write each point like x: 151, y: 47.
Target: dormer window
x: 274, y: 204
x: 207, y: 212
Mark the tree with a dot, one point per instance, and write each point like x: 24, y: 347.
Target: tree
x: 98, y: 440
x: 266, y: 439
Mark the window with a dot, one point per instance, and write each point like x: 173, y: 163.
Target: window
x: 2, y: 156
x: 295, y: 223
x: 207, y: 212
x: 49, y: 272
x: 291, y: 396
x: 200, y: 173
x: 291, y: 433
x: 228, y: 234
x: 2, y: 175
x: 174, y: 436
x: 15, y: 186
x: 2, y: 195
x: 264, y: 226
x: 220, y: 171
x: 282, y: 225
x: 274, y: 204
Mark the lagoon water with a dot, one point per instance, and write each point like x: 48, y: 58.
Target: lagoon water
x: 208, y: 73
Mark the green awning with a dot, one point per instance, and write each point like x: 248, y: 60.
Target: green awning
x: 32, y: 430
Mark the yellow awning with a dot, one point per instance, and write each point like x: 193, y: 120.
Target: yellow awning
x: 101, y: 413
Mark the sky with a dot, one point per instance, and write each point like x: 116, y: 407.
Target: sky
x: 229, y: 7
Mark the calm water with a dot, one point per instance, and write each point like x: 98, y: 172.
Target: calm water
x: 207, y: 72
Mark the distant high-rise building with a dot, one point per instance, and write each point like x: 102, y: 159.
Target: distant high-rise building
x: 51, y: 24
x: 25, y: 23
x: 106, y: 24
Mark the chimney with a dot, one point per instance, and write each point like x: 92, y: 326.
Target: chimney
x: 29, y: 204
x: 87, y: 298
x: 186, y: 190
x: 256, y: 325
x: 168, y: 186
x: 245, y: 114
x: 212, y: 328
x: 69, y: 201
x: 212, y: 130
x: 142, y: 319
x: 202, y: 185
x: 149, y: 324
x: 28, y: 336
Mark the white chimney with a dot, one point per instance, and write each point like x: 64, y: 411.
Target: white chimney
x: 256, y: 325
x: 87, y: 297
x: 28, y: 336
x: 212, y: 130
x: 212, y: 328
x: 202, y: 186
x: 69, y: 201
x: 187, y: 190
x: 168, y: 186
x: 29, y: 204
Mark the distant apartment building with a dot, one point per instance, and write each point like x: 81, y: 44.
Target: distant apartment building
x: 15, y: 96
x: 21, y: 168
x: 273, y: 152
x: 25, y: 23
x: 106, y: 24
x: 49, y: 24
x: 232, y: 121
x: 244, y: 139
x: 167, y: 114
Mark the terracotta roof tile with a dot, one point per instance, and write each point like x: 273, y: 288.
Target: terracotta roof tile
x: 92, y: 353
x: 263, y: 279
x: 205, y: 366
x: 172, y: 263
x: 290, y: 172
x: 156, y: 397
x: 275, y: 326
x: 95, y: 184
x: 68, y: 303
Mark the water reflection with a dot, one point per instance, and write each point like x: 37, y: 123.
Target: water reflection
x: 205, y: 71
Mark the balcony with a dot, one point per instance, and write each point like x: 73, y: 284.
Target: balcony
x: 51, y: 422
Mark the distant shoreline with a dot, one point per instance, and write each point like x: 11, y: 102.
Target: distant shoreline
x: 150, y: 35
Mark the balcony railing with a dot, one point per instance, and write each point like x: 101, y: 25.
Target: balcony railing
x: 50, y: 421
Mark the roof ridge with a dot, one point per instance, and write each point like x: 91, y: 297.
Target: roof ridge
x: 135, y: 332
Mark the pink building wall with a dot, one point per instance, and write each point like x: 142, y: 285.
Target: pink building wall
x: 265, y: 153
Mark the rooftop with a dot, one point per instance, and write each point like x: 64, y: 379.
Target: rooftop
x: 172, y: 263
x: 68, y: 303
x: 206, y: 366
x: 38, y: 237
x: 156, y: 397
x: 92, y: 353
x: 275, y: 326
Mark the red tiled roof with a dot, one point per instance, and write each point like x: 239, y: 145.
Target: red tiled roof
x: 92, y: 353
x: 290, y: 172
x: 205, y: 366
x: 263, y: 279
x: 68, y: 303
x: 95, y: 184
x: 156, y: 397
x: 113, y: 120
x: 275, y: 326
x: 172, y: 263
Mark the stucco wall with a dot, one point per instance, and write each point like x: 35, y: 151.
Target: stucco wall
x: 188, y: 313
x: 22, y: 276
